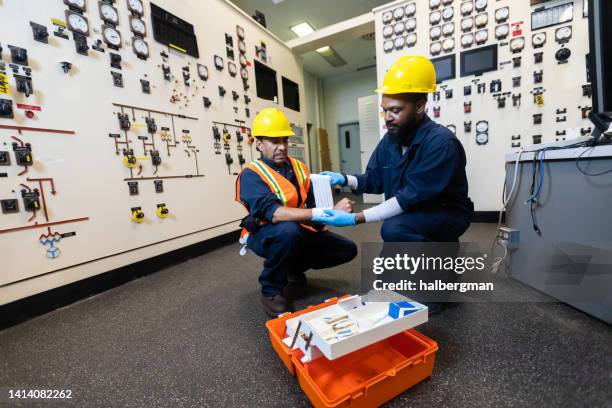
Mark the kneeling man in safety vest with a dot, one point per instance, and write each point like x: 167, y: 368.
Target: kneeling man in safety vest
x: 276, y: 192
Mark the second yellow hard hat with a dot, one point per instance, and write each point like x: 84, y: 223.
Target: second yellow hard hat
x: 409, y: 74
x: 271, y: 122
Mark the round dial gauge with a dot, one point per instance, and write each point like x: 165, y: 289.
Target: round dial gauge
x: 231, y: 67
x: 434, y: 17
x: 502, y: 31
x: 241, y: 47
x: 482, y: 138
x: 481, y: 36
x: 138, y: 26
x: 482, y: 20
x: 411, y: 24
x: 435, y: 32
x: 141, y: 48
x: 240, y: 32
x: 448, y: 44
x: 76, y: 22
x: 80, y: 4
x: 435, y: 48
x: 467, y: 24
x: 538, y: 39
x: 244, y: 74
x: 448, y: 28
x: 399, y: 43
x: 563, y: 33
x: 481, y: 5
x: 387, y: 17
x: 411, y: 39
x: 448, y: 13
x: 517, y: 44
x: 410, y: 9
x: 218, y: 62
x: 502, y: 14
x: 243, y: 60
x: 398, y: 13
x: 111, y: 36
x: 387, y: 31
x: 434, y: 3
x: 467, y: 39
x: 203, y: 72
x: 398, y: 28
x: 467, y: 7
x: 482, y: 126
x: 136, y: 6
x: 388, y: 45
x: 108, y: 13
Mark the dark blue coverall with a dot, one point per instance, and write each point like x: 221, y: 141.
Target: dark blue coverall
x: 286, y: 246
x: 429, y: 182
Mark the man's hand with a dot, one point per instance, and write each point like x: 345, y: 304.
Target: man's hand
x: 336, y: 218
x: 336, y: 179
x: 344, y: 205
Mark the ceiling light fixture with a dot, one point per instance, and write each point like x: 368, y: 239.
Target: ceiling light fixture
x: 302, y: 29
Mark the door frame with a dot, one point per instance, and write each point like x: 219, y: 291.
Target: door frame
x: 353, y: 122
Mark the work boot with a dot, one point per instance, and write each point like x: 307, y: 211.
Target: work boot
x: 275, y: 305
x: 297, y: 278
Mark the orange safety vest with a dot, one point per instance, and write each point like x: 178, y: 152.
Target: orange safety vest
x: 280, y: 186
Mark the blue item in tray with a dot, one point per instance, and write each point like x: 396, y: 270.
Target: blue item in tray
x: 401, y: 309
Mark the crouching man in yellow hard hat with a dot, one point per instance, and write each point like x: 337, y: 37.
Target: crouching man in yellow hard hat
x: 276, y: 192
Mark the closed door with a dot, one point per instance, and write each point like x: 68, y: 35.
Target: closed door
x: 350, y: 148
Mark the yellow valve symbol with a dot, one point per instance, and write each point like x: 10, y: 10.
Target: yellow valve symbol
x: 226, y: 136
x: 539, y: 100
x: 137, y: 215
x: 165, y: 136
x: 162, y: 211
x: 130, y: 161
x: 36, y: 204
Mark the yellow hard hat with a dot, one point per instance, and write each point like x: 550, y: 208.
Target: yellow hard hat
x: 409, y: 74
x: 271, y: 122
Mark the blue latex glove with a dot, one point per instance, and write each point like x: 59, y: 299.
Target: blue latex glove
x: 336, y: 218
x: 337, y: 179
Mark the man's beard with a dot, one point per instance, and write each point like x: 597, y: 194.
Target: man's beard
x: 403, y: 134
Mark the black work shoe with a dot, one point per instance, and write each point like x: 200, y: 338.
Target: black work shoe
x: 275, y: 305
x: 297, y: 278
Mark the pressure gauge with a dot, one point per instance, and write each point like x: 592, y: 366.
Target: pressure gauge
x: 77, y: 23
x: 448, y: 44
x: 538, y: 39
x: 388, y: 46
x: 501, y: 14
x: 448, y: 13
x: 435, y: 32
x: 482, y: 126
x: 433, y: 4
x: 467, y: 24
x: 387, y: 31
x: 411, y: 24
x: 231, y: 67
x: 398, y: 28
x: 452, y: 128
x: 481, y: 5
x: 135, y: 6
x: 243, y: 60
x: 240, y: 32
x: 482, y: 20
x: 398, y: 13
x: 141, y: 48
x: 108, y: 13
x: 435, y: 48
x: 399, y: 43
x: 244, y: 74
x: 467, y: 40
x: 501, y: 31
x: 481, y: 36
x: 219, y: 63
x: 138, y: 26
x: 434, y: 17
x: 517, y: 44
x: 482, y: 138
x: 411, y: 40
x: 111, y: 36
x: 467, y: 8
x: 448, y: 28
x: 563, y: 33
x: 203, y: 72
x: 387, y: 17
x: 410, y: 9
x: 79, y: 4
x: 241, y: 47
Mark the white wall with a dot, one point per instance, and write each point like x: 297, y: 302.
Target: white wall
x: 340, y: 95
x: 310, y: 105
